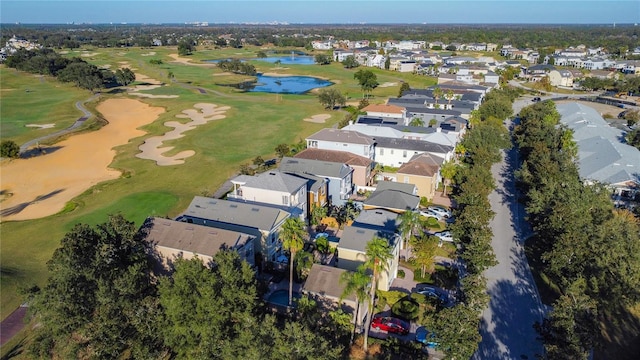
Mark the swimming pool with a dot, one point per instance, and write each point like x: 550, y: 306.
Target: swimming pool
x: 281, y: 297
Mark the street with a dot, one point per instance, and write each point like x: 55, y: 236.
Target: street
x: 507, y: 324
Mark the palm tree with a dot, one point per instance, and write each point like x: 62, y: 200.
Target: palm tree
x: 448, y: 171
x: 416, y: 121
x: 409, y: 221
x: 356, y: 283
x: 292, y: 235
x: 437, y: 94
x: 378, y: 254
x: 450, y: 95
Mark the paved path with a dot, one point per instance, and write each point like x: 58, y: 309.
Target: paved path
x: 86, y: 115
x: 507, y: 324
x: 12, y: 324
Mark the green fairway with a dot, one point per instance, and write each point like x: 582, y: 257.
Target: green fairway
x: 254, y: 125
x: 34, y: 99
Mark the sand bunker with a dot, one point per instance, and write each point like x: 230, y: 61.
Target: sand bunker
x: 388, y: 84
x: 151, y: 84
x: 41, y: 126
x: 199, y: 115
x: 41, y: 186
x: 186, y: 61
x: 319, y: 118
x: 89, y: 54
x: 150, y: 53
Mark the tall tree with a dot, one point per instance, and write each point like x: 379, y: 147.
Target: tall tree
x: 448, y: 171
x: 437, y: 94
x: 357, y: 283
x: 378, y: 255
x: 9, y: 149
x: 424, y: 250
x: 330, y: 97
x: 367, y: 80
x: 409, y: 223
x: 404, y: 87
x: 292, y: 235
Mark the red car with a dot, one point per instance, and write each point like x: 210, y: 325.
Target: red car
x: 390, y: 324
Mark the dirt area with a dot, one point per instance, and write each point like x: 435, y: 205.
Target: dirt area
x: 41, y: 186
x: 319, y: 118
x: 602, y: 109
x: 186, y: 61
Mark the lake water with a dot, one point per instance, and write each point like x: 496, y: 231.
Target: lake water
x: 285, y: 84
x: 290, y: 60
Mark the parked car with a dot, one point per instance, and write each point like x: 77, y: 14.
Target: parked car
x: 426, y: 337
x: 390, y: 324
x: 434, y: 292
x: 444, y: 212
x: 432, y: 214
x: 536, y: 99
x: 444, y: 235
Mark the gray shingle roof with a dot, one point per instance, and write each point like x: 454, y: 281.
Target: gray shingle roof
x: 393, y: 199
x: 343, y: 157
x: 325, y: 280
x: 315, y: 167
x: 411, y: 144
x: 601, y: 154
x: 350, y: 137
x: 192, y: 238
x: 356, y: 238
x: 377, y: 219
x: 272, y: 180
x: 232, y: 212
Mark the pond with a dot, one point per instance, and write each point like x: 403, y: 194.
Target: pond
x: 290, y: 60
x: 284, y: 84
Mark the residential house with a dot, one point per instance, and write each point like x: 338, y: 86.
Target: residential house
x: 423, y: 170
x: 261, y: 222
x: 341, y: 140
x: 394, y: 151
x: 325, y: 286
x: 362, y: 166
x: 385, y: 111
x: 438, y: 114
x: 172, y: 239
x: 352, y: 251
x: 394, y: 196
x: 339, y: 176
x: 491, y: 77
x: 561, y: 78
x: 273, y: 188
x: 602, y: 157
x: 340, y: 55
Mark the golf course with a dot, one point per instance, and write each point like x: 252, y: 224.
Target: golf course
x: 177, y: 131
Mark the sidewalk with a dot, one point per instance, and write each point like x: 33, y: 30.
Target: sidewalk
x: 12, y: 325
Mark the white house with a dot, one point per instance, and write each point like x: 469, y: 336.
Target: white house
x: 342, y: 140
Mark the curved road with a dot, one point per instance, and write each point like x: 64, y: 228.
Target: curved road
x: 507, y: 324
x: 75, y: 125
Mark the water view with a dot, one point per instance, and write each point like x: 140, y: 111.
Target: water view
x: 290, y: 60
x: 285, y: 84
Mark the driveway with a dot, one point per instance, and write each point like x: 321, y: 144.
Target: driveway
x: 507, y: 324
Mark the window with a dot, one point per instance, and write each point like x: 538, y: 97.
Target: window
x: 381, y: 151
x: 391, y: 151
x: 404, y: 154
x: 406, y: 179
x: 313, y: 144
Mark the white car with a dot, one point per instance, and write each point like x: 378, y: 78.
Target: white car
x: 431, y: 214
x: 443, y: 212
x: 444, y: 236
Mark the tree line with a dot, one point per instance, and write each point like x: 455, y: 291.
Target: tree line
x: 106, y: 298
x: 82, y: 74
x: 590, y: 251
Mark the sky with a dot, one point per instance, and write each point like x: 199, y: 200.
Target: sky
x: 322, y: 11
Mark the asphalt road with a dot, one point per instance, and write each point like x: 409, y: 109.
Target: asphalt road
x: 507, y: 324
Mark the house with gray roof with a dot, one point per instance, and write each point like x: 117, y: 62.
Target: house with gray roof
x: 342, y: 140
x: 362, y: 166
x: 395, y: 152
x: 393, y: 196
x: 172, y: 239
x: 262, y: 222
x: 324, y: 285
x: 339, y: 176
x: 602, y: 156
x: 272, y: 188
x: 352, y: 251
x: 377, y: 219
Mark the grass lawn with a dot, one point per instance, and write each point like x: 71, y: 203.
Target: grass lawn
x: 254, y: 125
x: 34, y: 99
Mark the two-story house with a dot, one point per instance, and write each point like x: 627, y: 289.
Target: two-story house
x: 395, y: 152
x: 261, y: 222
x: 362, y: 166
x: 339, y: 176
x: 274, y: 188
x: 172, y: 239
x: 341, y: 140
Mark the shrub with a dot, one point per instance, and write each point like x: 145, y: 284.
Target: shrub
x: 9, y: 148
x: 401, y: 274
x: 406, y: 308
